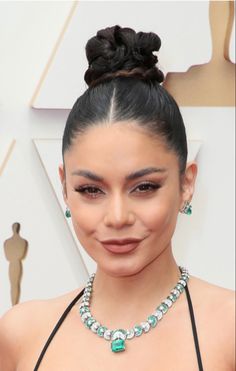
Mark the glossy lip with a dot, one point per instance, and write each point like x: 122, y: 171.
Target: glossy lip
x: 123, y: 241
x: 119, y: 248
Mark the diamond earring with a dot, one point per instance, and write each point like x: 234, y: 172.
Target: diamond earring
x: 187, y: 208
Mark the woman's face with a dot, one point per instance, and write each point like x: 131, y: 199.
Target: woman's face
x: 110, y: 198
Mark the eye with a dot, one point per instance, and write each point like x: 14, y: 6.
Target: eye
x: 147, y: 187
x: 91, y: 191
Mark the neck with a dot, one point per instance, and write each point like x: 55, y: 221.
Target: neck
x: 118, y: 300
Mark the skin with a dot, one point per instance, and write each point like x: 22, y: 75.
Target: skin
x: 120, y: 210
x: 129, y: 286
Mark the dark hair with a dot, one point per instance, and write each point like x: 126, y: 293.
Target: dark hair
x: 124, y: 85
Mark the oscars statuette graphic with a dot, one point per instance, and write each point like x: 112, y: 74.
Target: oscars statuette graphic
x: 212, y: 83
x: 15, y: 249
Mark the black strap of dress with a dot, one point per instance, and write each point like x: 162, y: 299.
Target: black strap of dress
x: 74, y: 301
x: 194, y: 328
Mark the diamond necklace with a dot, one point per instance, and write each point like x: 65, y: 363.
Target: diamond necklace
x: 118, y: 336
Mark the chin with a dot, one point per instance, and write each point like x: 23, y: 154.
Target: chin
x: 122, y: 268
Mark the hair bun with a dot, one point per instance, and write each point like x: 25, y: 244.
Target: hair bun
x: 117, y: 51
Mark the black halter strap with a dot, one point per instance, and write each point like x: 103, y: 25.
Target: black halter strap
x: 194, y: 328
x: 57, y: 327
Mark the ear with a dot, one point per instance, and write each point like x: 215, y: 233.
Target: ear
x: 188, y: 181
x: 63, y: 181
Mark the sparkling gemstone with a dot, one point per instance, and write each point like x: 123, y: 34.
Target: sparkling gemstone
x: 101, y: 331
x: 88, y: 289
x: 85, y: 316
x: 118, y: 345
x: 87, y: 294
x: 185, y: 277
x: 172, y: 297
x: 175, y: 292
x: 152, y: 320
x: 107, y: 334
x: 83, y: 310
x: 119, y: 334
x: 95, y: 326
x: 89, y: 322
x: 145, y: 326
x: 189, y: 210
x: 138, y: 330
x: 163, y: 307
x: 130, y: 333
x: 180, y: 287
x: 84, y: 304
x: 158, y: 313
x: 168, y: 302
x: 182, y: 282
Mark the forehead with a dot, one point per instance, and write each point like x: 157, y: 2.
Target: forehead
x: 126, y: 144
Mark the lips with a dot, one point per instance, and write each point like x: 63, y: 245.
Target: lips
x: 121, y: 246
x: 123, y: 241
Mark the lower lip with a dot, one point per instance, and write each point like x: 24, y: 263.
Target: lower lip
x: 121, y: 249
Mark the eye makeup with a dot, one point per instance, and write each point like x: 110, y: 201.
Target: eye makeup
x: 92, y: 191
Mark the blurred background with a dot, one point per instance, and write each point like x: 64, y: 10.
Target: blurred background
x: 42, y: 62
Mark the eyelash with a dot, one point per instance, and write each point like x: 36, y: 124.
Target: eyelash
x: 83, y: 189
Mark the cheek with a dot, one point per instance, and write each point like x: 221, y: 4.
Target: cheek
x: 158, y: 217
x: 161, y: 213
x: 84, y: 219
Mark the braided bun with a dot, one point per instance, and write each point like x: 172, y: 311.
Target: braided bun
x: 117, y: 51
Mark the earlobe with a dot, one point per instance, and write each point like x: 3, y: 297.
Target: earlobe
x: 188, y: 182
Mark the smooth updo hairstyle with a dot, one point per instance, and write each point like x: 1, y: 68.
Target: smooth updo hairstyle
x: 124, y: 85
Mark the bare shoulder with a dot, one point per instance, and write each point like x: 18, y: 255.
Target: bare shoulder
x: 19, y: 325
x: 214, y: 308
x: 211, y: 294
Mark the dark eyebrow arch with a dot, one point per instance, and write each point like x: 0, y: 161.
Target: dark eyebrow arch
x: 137, y: 174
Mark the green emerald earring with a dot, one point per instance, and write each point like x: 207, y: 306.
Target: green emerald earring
x: 187, y: 208
x: 67, y: 213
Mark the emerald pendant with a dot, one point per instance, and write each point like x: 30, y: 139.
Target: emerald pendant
x: 118, y: 345
x: 119, y: 336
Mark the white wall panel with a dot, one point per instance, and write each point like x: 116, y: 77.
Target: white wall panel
x: 204, y: 242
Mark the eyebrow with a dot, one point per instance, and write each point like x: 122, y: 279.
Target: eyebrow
x: 137, y: 174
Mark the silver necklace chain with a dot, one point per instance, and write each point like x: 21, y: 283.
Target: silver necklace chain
x: 118, y: 336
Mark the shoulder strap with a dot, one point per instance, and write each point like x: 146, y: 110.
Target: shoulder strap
x: 199, y: 359
x: 57, y: 327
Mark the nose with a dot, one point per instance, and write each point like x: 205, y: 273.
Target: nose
x: 117, y: 213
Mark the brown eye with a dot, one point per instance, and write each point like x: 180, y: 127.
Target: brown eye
x: 147, y: 187
x: 90, y: 191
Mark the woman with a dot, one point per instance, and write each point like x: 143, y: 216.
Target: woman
x: 125, y: 179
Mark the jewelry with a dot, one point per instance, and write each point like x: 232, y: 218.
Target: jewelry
x: 67, y: 213
x: 118, y: 336
x: 187, y: 208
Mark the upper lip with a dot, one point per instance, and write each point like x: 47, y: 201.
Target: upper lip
x: 121, y: 241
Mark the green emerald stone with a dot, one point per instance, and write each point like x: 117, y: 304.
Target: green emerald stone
x: 101, y: 330
x: 173, y: 297
x: 89, y: 322
x: 138, y: 330
x: 152, y: 320
x: 118, y: 345
x: 67, y: 213
x: 180, y: 287
x: 83, y: 310
x: 189, y: 210
x: 163, y: 307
